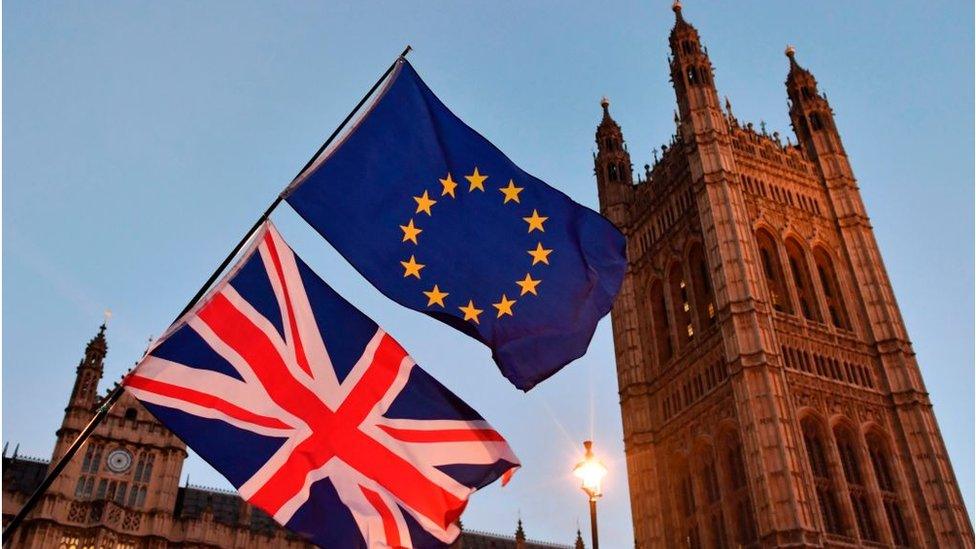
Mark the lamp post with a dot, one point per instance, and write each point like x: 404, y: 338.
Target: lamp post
x: 591, y: 471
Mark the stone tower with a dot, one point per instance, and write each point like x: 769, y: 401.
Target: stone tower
x: 125, y: 478
x: 769, y: 392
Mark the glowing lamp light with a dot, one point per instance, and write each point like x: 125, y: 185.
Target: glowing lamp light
x: 590, y: 471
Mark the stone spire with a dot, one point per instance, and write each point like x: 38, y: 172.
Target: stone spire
x: 810, y: 113
x: 691, y: 74
x: 519, y: 535
x: 614, y: 177
x: 89, y: 371
x: 579, y: 540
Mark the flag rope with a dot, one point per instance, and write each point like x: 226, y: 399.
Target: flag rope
x: 116, y: 392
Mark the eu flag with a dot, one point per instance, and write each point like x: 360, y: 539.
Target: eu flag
x: 441, y: 221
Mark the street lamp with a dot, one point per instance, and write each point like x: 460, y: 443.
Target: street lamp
x: 591, y: 471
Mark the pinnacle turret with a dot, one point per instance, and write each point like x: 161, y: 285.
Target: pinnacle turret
x: 579, y: 540
x: 810, y: 113
x: 89, y: 371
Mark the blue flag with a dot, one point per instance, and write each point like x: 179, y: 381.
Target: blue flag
x: 439, y: 220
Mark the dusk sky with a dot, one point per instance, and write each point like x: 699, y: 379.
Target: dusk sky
x: 141, y: 139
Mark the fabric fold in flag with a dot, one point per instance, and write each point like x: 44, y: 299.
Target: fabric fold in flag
x: 314, y: 413
x: 441, y: 221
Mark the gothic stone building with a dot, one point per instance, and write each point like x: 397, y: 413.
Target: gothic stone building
x: 122, y: 489
x: 769, y: 392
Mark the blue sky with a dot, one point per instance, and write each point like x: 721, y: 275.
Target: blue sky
x: 142, y: 138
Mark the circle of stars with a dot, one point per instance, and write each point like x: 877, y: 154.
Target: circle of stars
x: 436, y: 296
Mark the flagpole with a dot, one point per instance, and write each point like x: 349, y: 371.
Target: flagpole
x: 117, y: 390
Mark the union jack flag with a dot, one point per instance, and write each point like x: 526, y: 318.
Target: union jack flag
x: 314, y: 413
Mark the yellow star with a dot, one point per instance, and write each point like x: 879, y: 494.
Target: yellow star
x: 424, y: 203
x: 449, y: 186
x: 528, y: 285
x: 436, y: 296
x: 504, y: 306
x: 411, y: 267
x: 470, y: 312
x: 540, y: 254
x: 477, y: 181
x: 535, y: 221
x: 511, y: 192
x: 410, y: 232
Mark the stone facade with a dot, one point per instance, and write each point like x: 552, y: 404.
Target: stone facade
x: 122, y: 489
x: 769, y: 392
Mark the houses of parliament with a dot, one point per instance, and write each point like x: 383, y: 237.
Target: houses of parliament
x: 769, y: 393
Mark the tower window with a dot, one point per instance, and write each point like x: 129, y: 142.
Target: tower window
x: 855, y: 483
x: 773, y: 272
x: 661, y: 327
x: 685, y: 502
x: 831, y: 289
x: 613, y: 173
x: 704, y: 299
x: 130, y: 414
x: 826, y: 495
x: 816, y: 122
x: 680, y: 304
x: 801, y: 278
x: 132, y: 495
x: 879, y: 454
x: 120, y: 493
x: 737, y: 489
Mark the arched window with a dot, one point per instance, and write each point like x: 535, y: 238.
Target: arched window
x: 681, y: 305
x: 736, y: 489
x: 86, y: 464
x: 662, y: 328
x: 80, y: 487
x: 879, y: 452
x: 692, y: 76
x: 612, y: 173
x: 132, y: 496
x: 802, y: 280
x: 816, y: 122
x: 702, y: 284
x: 140, y: 464
x: 831, y: 289
x: 847, y: 448
x: 769, y: 257
x: 711, y: 504
x: 120, y: 493
x: 102, y: 485
x: 147, y: 471
x: 141, y: 499
x: 96, y: 459
x: 816, y: 447
x: 686, y: 504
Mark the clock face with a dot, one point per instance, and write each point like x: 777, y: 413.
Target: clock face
x: 119, y: 461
